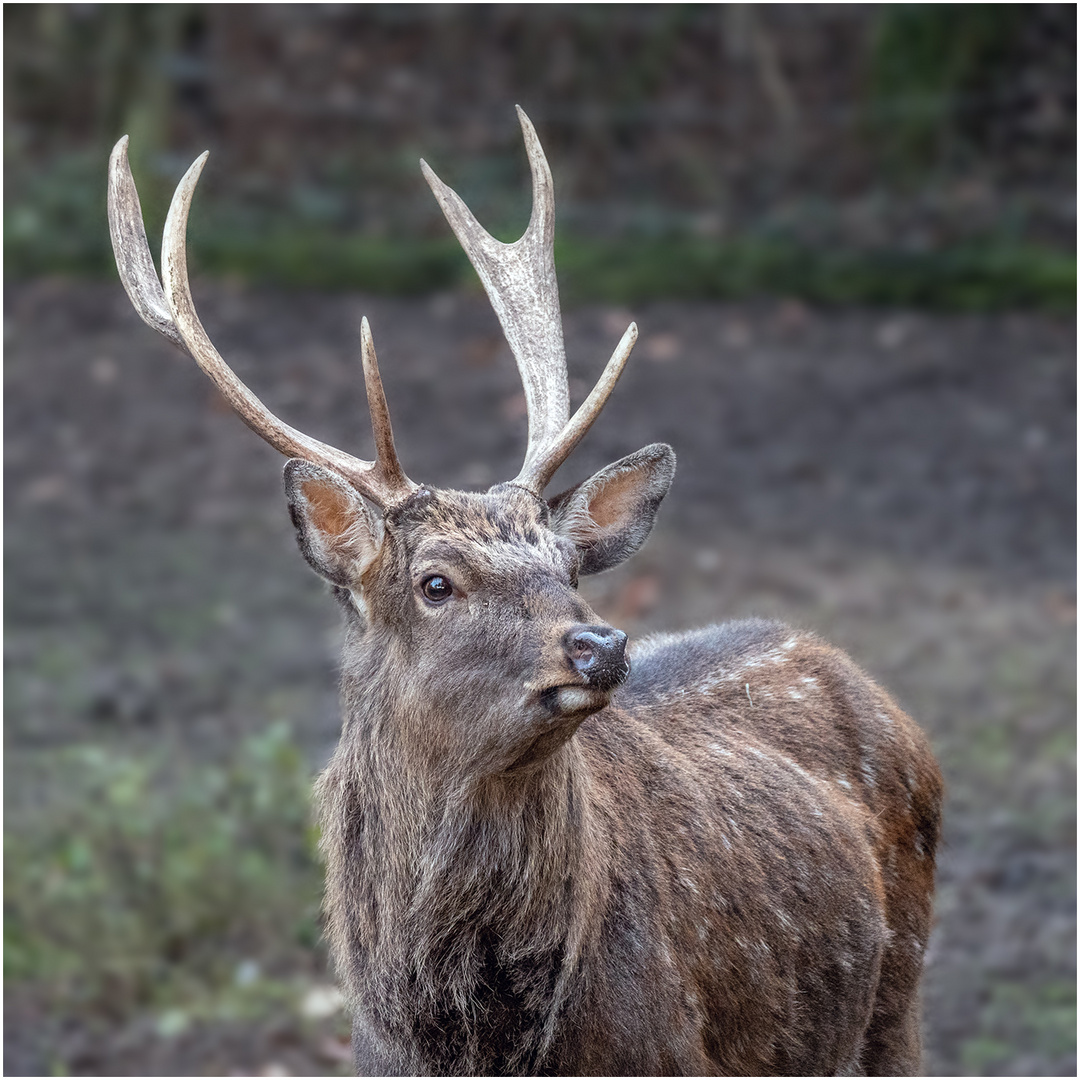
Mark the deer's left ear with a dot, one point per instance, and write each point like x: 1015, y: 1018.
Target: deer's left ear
x: 610, y: 515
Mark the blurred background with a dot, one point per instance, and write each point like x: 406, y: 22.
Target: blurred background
x: 847, y: 235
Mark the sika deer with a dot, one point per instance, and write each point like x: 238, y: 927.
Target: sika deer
x: 548, y: 853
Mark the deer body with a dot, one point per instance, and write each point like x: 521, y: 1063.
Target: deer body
x: 710, y: 853
x: 690, y: 882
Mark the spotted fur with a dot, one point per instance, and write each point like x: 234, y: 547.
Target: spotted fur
x: 725, y: 866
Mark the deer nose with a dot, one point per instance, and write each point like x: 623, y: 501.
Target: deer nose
x: 598, y: 654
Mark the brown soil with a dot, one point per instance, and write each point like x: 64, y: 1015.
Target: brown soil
x: 902, y: 483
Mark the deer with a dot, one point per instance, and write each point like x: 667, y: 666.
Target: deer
x: 550, y: 851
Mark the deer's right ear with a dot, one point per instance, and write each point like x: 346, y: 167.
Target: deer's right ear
x: 335, y: 530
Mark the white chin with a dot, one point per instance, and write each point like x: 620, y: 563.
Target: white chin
x: 575, y: 698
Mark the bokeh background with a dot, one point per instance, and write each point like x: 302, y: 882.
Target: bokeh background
x: 847, y: 235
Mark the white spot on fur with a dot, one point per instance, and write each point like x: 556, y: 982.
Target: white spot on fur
x: 716, y: 748
x: 867, y: 770
x: 794, y: 695
x: 785, y: 921
x: 809, y: 680
x: 711, y: 683
x: 844, y: 782
x: 773, y: 656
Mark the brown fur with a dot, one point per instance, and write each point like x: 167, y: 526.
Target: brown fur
x: 724, y: 868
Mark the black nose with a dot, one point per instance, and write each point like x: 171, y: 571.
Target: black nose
x: 598, y: 653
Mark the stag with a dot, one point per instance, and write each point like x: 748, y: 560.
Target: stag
x: 549, y: 852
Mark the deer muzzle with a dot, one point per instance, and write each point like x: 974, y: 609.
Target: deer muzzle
x: 598, y: 654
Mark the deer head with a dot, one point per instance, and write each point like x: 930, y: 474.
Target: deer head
x: 469, y: 597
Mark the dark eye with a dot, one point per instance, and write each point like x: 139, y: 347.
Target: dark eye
x: 437, y: 588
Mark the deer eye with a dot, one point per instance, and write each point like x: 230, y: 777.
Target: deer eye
x: 437, y: 588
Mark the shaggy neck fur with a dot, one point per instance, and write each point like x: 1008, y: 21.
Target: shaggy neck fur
x: 454, y: 905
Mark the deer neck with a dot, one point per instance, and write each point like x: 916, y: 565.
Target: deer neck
x: 448, y: 890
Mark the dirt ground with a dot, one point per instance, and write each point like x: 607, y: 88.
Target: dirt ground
x: 902, y: 483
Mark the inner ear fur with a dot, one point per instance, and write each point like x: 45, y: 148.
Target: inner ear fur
x: 334, y: 528
x: 610, y: 515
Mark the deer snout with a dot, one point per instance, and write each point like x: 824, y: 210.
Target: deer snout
x: 598, y: 654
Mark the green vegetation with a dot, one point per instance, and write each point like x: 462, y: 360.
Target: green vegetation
x: 928, y: 100
x: 59, y: 226
x: 145, y: 886
x: 974, y: 277
x: 1016, y: 1014
x: 932, y: 67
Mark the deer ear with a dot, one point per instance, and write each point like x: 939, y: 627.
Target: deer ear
x: 335, y: 530
x: 610, y: 515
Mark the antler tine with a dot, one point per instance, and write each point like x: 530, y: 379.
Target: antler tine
x: 386, y: 458
x: 131, y: 250
x: 167, y: 306
x: 520, y: 281
x: 537, y: 476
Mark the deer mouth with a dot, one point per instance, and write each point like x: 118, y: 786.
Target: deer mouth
x: 567, y: 706
x: 591, y: 692
x: 574, y: 698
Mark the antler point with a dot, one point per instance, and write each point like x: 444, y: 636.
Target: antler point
x: 119, y: 155
x: 526, y: 123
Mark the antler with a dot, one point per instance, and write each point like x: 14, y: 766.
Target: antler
x: 519, y: 279
x: 166, y: 305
